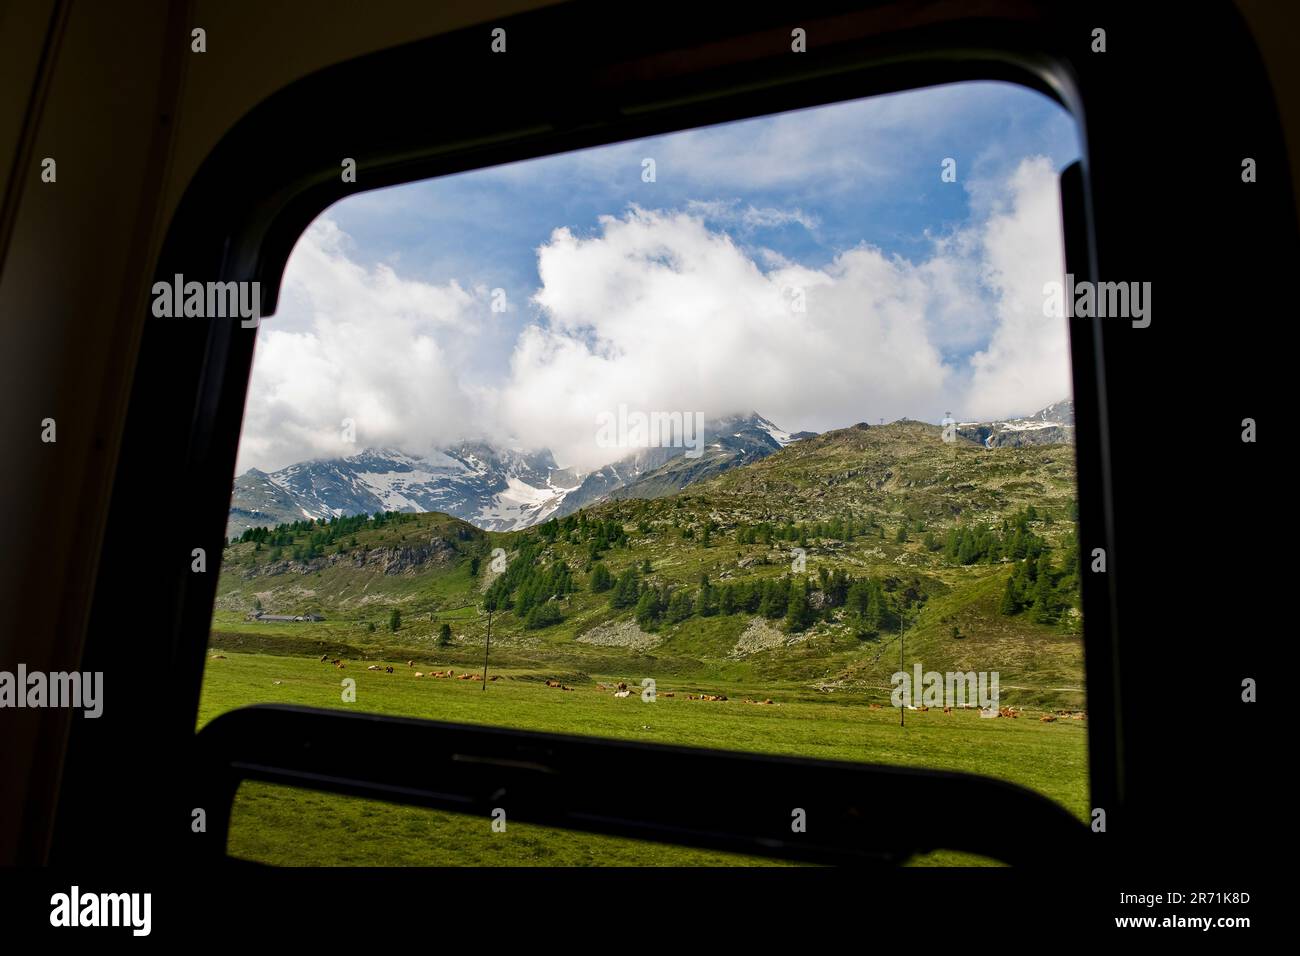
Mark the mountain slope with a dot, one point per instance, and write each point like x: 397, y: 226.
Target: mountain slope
x: 500, y: 489
x: 496, y: 489
x: 1049, y: 426
x: 875, y: 503
x: 655, y: 472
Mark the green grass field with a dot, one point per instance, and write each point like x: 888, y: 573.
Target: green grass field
x: 267, y: 826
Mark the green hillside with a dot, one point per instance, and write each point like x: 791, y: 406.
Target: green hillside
x: 880, y: 514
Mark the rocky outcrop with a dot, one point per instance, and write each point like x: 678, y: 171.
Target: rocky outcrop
x: 403, y: 560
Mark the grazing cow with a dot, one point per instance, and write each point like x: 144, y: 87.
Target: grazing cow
x: 324, y: 658
x: 388, y: 670
x: 340, y: 665
x: 622, y: 685
x: 335, y: 662
x: 947, y: 710
x: 410, y: 663
x: 1007, y: 712
x: 1047, y: 718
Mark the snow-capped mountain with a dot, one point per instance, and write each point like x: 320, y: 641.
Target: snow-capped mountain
x: 655, y: 472
x: 493, y: 488
x: 1051, y: 425
x: 501, y: 489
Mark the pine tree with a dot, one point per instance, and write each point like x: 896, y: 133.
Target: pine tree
x: 1043, y: 600
x: 627, y: 590
x: 395, y: 620
x: 797, y: 613
x: 647, y: 610
x: 1009, y: 603
x: 601, y: 579
x: 680, y: 607
x: 444, y: 635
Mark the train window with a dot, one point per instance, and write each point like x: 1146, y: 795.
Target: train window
x: 757, y: 437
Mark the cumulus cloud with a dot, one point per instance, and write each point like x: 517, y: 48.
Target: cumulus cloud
x: 351, y: 343
x: 659, y: 312
x: 664, y: 310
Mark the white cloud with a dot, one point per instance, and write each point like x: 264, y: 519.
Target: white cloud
x: 361, y: 344
x: 659, y: 311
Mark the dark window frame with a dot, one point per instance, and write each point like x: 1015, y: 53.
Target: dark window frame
x: 573, y: 78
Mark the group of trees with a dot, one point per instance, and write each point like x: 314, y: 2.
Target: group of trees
x: 531, y: 590
x: 310, y: 537
x: 1038, y: 589
x: 601, y: 534
x: 800, y: 601
x: 982, y: 544
x: 836, y: 529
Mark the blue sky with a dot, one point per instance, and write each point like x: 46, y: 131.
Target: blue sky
x: 845, y: 200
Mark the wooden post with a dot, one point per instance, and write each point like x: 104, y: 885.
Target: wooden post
x: 486, y: 648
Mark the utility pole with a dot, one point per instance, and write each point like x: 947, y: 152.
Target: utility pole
x: 486, y: 648
x: 902, y: 630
